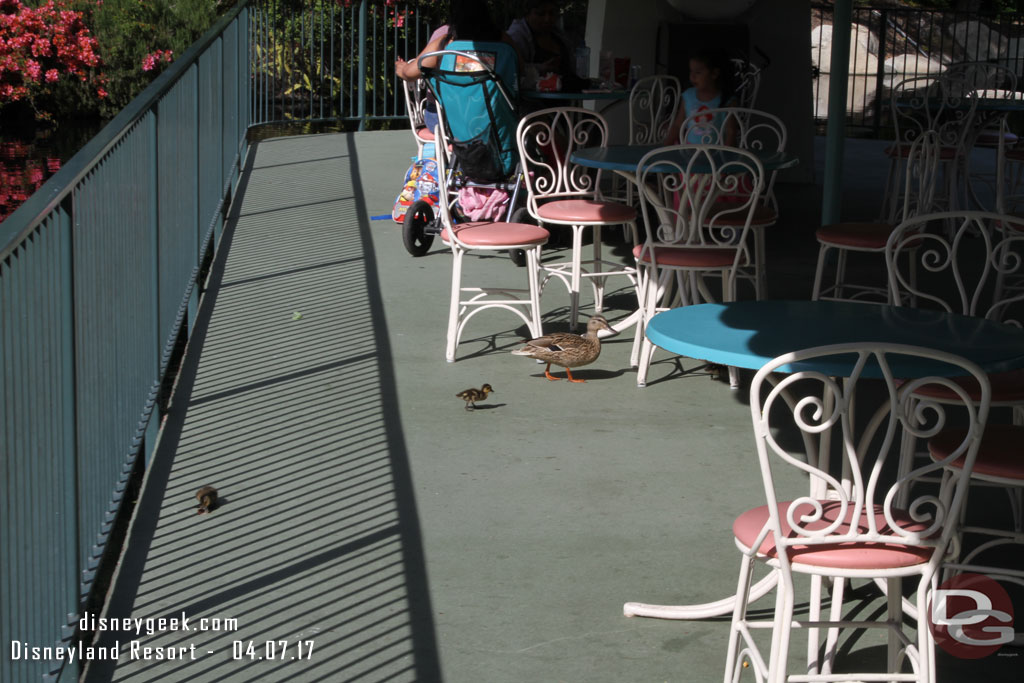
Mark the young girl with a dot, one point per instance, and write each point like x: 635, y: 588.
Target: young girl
x: 711, y: 81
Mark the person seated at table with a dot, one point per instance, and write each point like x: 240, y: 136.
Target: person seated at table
x: 539, y: 41
x: 467, y: 20
x: 711, y: 87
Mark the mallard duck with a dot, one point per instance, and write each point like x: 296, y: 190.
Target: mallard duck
x: 566, y: 349
x: 207, y: 497
x: 470, y: 396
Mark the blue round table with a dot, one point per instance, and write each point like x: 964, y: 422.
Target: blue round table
x: 747, y: 334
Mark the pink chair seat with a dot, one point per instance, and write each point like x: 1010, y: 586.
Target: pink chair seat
x: 690, y: 257
x: 855, y: 235
x: 837, y: 555
x: 586, y: 211
x: 763, y: 215
x: 1015, y: 154
x: 1007, y: 387
x: 425, y: 134
x: 990, y: 138
x: 498, y: 235
x: 945, y: 153
x: 998, y: 456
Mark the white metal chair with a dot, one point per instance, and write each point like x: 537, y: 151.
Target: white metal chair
x: 943, y: 104
x: 989, y: 83
x: 653, y: 104
x: 487, y: 237
x: 849, y: 524
x: 690, y: 233
x: 560, y: 192
x: 753, y: 130
x: 921, y: 170
x: 967, y: 272
x: 416, y: 98
x: 748, y: 82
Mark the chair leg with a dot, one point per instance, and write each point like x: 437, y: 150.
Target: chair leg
x: 533, y: 268
x: 597, y: 282
x: 453, y: 311
x: 739, y: 614
x: 835, y: 614
x: 779, y: 654
x: 650, y: 307
x: 575, y: 277
x: 819, y: 272
x: 814, y: 614
x: 894, y: 598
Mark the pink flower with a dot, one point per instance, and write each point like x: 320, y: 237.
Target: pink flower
x: 51, y: 75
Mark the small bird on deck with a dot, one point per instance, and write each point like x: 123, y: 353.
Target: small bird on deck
x: 471, y: 396
x: 207, y: 497
x: 566, y: 349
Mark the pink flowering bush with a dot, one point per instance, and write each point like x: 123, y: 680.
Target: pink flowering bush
x: 150, y: 61
x: 42, y: 46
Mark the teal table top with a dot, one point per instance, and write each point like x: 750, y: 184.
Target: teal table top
x: 626, y: 157
x: 747, y: 334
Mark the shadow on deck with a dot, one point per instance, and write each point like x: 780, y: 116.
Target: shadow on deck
x: 289, y: 410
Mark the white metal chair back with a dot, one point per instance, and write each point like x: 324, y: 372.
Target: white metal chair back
x: 921, y: 176
x: 696, y: 196
x: 937, y: 103
x: 972, y: 269
x: 743, y: 127
x: 748, y: 82
x: 547, y: 139
x: 416, y: 98
x: 860, y: 484
x: 653, y: 103
x: 984, y: 80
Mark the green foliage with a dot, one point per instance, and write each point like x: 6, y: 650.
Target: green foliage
x: 129, y: 30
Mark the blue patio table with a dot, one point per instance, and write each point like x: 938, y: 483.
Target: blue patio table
x: 747, y: 334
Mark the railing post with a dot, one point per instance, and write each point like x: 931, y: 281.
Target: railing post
x: 361, y: 88
x: 880, y: 76
x: 71, y: 505
x: 153, y: 135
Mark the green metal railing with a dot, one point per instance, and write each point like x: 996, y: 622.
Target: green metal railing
x: 328, y: 60
x: 99, y: 281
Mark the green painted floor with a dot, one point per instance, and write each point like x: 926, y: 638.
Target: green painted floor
x: 368, y: 516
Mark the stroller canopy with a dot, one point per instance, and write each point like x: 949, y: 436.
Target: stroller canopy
x: 476, y: 86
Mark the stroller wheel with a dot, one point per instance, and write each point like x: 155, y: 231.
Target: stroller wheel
x: 414, y: 235
x: 520, y: 215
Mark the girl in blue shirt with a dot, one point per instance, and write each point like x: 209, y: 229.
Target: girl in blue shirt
x: 711, y: 88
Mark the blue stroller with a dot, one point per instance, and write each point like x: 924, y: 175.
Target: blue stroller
x: 475, y: 85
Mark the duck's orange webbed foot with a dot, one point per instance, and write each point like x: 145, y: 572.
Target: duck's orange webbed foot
x: 547, y: 373
x: 572, y: 379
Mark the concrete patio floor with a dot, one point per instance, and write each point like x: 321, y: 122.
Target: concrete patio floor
x: 367, y: 512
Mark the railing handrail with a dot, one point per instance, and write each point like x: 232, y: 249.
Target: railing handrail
x: 24, y: 219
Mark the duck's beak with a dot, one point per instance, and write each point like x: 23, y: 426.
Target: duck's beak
x: 606, y: 331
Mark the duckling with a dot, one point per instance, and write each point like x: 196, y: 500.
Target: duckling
x: 567, y: 350
x: 470, y: 396
x: 207, y: 497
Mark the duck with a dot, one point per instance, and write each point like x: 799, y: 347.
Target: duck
x: 470, y: 396
x: 207, y: 497
x: 566, y: 349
